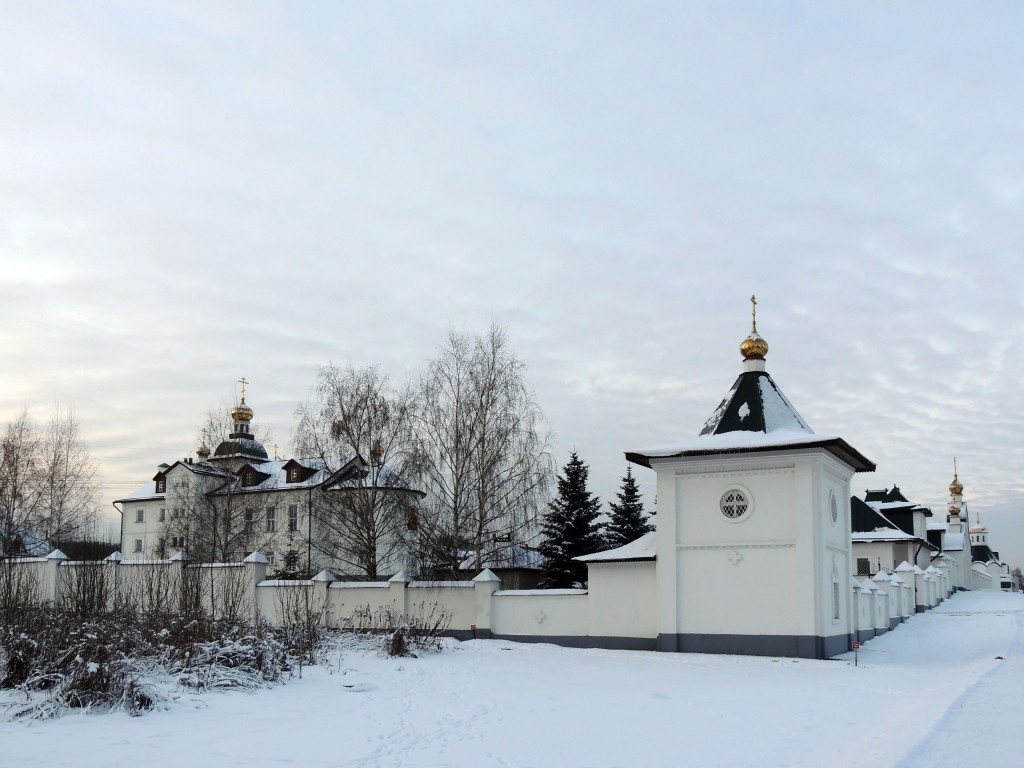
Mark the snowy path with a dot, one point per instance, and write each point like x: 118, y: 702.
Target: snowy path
x: 492, y: 703
x: 980, y: 727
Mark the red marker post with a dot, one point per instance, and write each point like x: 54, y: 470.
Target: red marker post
x: 856, y: 647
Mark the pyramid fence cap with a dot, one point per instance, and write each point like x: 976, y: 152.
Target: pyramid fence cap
x: 399, y: 578
x: 256, y: 557
x: 56, y: 555
x: 179, y: 556
x: 486, y: 575
x: 114, y: 557
x: 325, y: 575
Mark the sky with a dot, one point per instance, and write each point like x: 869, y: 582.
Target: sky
x: 191, y: 193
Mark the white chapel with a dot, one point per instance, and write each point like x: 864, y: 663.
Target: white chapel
x: 753, y: 540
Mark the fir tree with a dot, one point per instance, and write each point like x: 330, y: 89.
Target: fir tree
x: 570, y: 527
x: 628, y: 521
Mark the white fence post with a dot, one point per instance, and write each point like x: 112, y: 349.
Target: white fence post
x: 485, y: 584
x: 397, y: 584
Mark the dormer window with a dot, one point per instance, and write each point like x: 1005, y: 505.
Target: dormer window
x: 161, y: 485
x: 293, y: 475
x: 249, y: 478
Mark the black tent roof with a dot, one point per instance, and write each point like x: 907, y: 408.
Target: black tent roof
x: 754, y: 404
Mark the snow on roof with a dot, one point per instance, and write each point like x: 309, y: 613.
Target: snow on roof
x: 894, y: 506
x: 883, y: 534
x: 147, y: 491
x: 779, y: 413
x: 742, y: 440
x: 644, y: 548
x: 738, y: 439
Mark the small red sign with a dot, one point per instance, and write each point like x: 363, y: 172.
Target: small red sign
x: 856, y: 646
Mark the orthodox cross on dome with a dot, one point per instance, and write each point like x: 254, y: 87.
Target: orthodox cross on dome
x: 243, y: 381
x: 753, y: 313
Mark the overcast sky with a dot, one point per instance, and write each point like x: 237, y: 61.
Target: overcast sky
x: 195, y: 192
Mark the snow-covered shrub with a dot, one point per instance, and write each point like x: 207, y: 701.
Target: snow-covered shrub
x: 301, y: 620
x: 113, y: 662
x: 420, y: 631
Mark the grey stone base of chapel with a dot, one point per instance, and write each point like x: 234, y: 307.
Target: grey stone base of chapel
x: 584, y: 641
x: 793, y: 646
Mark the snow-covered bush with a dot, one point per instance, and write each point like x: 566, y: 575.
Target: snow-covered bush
x: 421, y: 631
x: 114, y: 662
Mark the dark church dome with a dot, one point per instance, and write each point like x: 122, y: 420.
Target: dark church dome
x: 239, y: 444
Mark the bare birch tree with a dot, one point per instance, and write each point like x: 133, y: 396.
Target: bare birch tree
x: 19, y: 483
x: 67, y: 496
x: 361, y: 428
x: 484, y: 453
x: 47, y: 482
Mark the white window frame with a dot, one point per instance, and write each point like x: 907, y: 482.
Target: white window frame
x: 140, y: 515
x: 725, y: 503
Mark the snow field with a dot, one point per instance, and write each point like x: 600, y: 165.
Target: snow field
x: 916, y: 698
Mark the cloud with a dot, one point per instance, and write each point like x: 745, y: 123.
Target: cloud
x: 192, y: 194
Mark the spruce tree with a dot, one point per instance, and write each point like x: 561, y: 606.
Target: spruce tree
x: 570, y: 527
x: 628, y: 521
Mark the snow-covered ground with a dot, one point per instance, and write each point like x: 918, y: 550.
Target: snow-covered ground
x: 932, y: 693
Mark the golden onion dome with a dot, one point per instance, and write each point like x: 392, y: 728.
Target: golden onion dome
x: 203, y: 451
x: 954, y: 510
x: 956, y: 487
x: 242, y: 412
x: 754, y: 347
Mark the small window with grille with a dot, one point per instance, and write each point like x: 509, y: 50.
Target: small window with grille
x: 734, y: 504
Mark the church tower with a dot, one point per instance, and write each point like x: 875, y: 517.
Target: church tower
x: 753, y: 540
x: 240, y: 447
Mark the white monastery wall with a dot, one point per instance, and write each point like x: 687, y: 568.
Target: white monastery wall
x: 546, y: 613
x: 622, y: 599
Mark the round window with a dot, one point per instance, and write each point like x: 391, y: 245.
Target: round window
x: 833, y: 506
x: 734, y: 503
